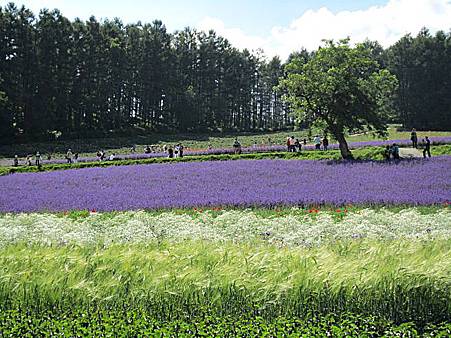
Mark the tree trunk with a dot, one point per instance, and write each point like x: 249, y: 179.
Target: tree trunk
x: 343, y: 145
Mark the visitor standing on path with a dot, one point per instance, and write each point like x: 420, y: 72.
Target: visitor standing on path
x: 325, y: 143
x: 181, y: 150
x: 69, y: 156
x: 298, y: 145
x: 16, y: 161
x: 414, y: 138
x: 427, y: 147
x: 237, y: 147
x: 317, y: 141
x: 38, y: 159
x: 292, y: 144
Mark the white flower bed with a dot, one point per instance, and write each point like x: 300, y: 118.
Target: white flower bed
x: 293, y: 229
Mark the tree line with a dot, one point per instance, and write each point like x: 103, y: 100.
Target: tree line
x: 88, y: 78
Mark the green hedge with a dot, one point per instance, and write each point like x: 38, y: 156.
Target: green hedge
x: 126, y: 323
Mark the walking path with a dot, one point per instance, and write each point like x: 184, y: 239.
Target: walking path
x: 410, y: 153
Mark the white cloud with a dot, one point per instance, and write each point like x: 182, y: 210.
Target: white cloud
x: 235, y: 35
x: 385, y: 24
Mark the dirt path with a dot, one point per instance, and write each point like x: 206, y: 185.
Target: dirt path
x: 410, y: 153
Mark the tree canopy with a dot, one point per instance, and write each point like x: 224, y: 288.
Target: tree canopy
x: 91, y: 78
x: 343, y: 88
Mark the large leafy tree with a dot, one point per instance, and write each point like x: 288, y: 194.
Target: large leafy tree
x: 342, y: 88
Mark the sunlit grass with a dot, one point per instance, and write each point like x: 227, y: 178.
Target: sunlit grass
x: 398, y: 280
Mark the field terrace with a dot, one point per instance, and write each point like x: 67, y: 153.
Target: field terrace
x: 228, y: 248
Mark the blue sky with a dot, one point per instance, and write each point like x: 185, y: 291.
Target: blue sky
x: 278, y: 27
x: 252, y: 16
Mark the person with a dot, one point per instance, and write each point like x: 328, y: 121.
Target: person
x: 69, y: 156
x: 325, y: 142
x: 49, y: 156
x: 288, y: 144
x: 176, y: 151
x: 112, y: 157
x: 305, y: 141
x: 414, y: 138
x: 297, y: 145
x: 387, y: 153
x: 102, y: 155
x: 29, y: 160
x: 395, y: 151
x: 237, y: 146
x: 16, y: 161
x: 181, y: 150
x: 38, y: 159
x: 147, y: 150
x: 99, y: 155
x: 317, y: 141
x: 76, y: 158
x: 170, y: 152
x: 292, y: 144
x: 133, y: 149
x: 427, y: 147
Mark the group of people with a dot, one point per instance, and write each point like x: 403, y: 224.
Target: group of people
x: 391, y: 152
x: 425, y: 143
x: 101, y: 156
x: 71, y: 157
x: 173, y: 152
x: 294, y: 145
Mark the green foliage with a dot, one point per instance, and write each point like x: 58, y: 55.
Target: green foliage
x: 343, y: 88
x: 79, y: 323
x: 401, y: 280
x: 94, y: 78
x: 422, y: 65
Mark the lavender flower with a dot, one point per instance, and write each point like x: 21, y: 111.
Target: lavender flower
x: 237, y: 183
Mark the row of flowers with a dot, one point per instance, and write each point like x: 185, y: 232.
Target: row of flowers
x: 267, y: 183
x: 293, y: 228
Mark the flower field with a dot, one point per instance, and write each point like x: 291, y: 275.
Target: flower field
x: 230, y: 183
x: 292, y: 227
x: 233, y: 248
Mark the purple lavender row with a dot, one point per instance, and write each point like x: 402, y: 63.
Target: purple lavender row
x: 230, y: 183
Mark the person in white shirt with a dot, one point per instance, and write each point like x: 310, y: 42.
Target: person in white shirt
x: 38, y: 159
x: 317, y: 141
x: 69, y: 156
